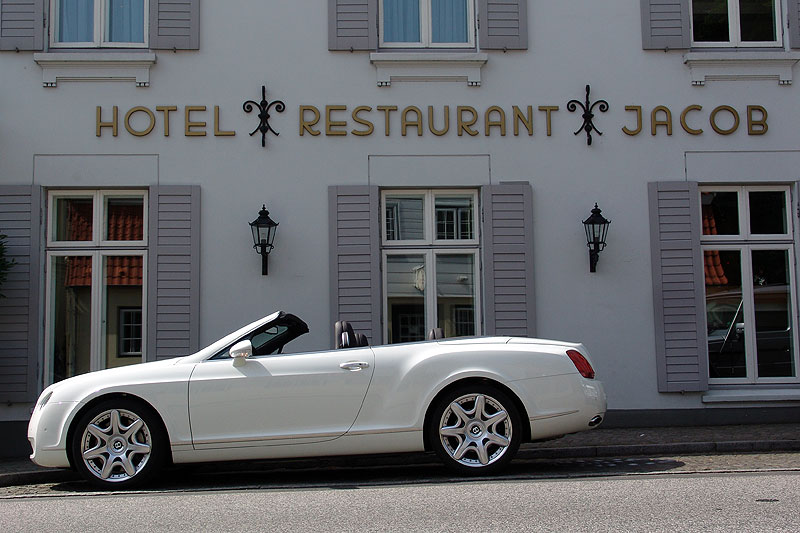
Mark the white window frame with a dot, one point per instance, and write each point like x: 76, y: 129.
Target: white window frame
x: 429, y: 217
x: 426, y: 29
x: 129, y: 311
x: 431, y: 309
x: 734, y: 29
x: 745, y: 243
x: 99, y: 29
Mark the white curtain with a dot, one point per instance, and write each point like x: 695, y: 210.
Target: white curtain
x: 449, y: 21
x: 125, y: 21
x: 75, y: 21
x: 401, y: 21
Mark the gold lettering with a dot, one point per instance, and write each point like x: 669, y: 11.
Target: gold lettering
x: 217, y: 131
x: 139, y: 109
x: 404, y: 122
x: 756, y: 127
x: 685, y: 125
x: 464, y: 125
x: 330, y: 123
x: 431, y: 126
x: 99, y: 124
x: 189, y: 124
x: 165, y: 110
x: 548, y: 110
x: 306, y: 126
x: 638, y: 110
x: 501, y: 123
x: 364, y: 122
x: 654, y: 122
x: 713, y: 119
x: 527, y: 119
x: 387, y: 109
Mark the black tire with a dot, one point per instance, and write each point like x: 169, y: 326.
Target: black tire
x: 119, y: 444
x: 472, y: 440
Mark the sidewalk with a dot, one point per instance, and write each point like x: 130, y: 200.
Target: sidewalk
x: 596, y: 443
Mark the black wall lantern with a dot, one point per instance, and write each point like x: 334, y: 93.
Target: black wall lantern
x: 264, y: 229
x: 596, y: 227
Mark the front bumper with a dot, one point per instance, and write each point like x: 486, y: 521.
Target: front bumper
x: 47, y: 433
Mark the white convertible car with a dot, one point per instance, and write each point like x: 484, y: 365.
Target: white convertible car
x: 471, y: 400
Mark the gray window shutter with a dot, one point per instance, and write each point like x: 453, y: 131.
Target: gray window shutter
x: 352, y: 24
x: 22, y: 24
x: 173, y: 271
x: 175, y: 24
x: 665, y: 24
x: 794, y: 23
x: 678, y: 286
x: 20, y: 208
x: 355, y: 258
x: 507, y: 232
x: 503, y: 24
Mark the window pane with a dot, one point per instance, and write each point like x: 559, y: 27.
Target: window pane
x: 405, y: 292
x: 454, y: 219
x: 710, y: 20
x: 720, y: 213
x: 449, y: 21
x: 773, y: 312
x: 401, y: 21
x: 725, y: 314
x: 73, y: 219
x: 124, y: 21
x: 455, y: 294
x: 757, y: 20
x: 123, y: 295
x: 71, y: 316
x: 768, y: 212
x: 124, y: 219
x: 75, y: 21
x: 404, y: 218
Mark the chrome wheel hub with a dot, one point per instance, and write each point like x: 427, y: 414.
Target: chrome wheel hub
x: 475, y: 430
x: 116, y: 445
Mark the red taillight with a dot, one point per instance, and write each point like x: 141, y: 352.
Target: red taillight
x: 581, y: 364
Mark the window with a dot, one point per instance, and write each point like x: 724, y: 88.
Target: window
x: 96, y: 262
x: 736, y: 23
x: 99, y: 23
x: 430, y: 263
x: 750, y: 285
x: 427, y: 23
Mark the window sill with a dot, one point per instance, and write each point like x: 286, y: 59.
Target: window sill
x: 95, y: 66
x: 436, y: 66
x: 751, y: 395
x: 741, y: 65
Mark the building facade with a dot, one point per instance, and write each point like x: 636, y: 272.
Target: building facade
x: 430, y: 164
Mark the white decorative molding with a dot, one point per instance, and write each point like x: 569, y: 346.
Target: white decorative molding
x: 733, y: 66
x: 417, y: 66
x: 95, y: 66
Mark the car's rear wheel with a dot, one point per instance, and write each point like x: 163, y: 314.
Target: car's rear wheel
x: 119, y: 443
x: 475, y: 429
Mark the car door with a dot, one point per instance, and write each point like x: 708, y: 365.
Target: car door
x: 278, y: 398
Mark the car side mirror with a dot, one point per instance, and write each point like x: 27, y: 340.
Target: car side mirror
x: 241, y: 351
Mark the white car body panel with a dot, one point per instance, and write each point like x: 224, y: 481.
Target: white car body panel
x: 301, y: 405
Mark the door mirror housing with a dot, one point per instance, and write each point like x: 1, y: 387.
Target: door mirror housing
x: 241, y: 350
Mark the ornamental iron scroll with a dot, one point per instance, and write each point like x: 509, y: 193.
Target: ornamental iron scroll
x: 588, y: 126
x: 263, y: 114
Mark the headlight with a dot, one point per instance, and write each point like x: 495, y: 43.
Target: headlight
x: 45, y: 398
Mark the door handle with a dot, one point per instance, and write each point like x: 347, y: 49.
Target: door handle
x: 354, y: 366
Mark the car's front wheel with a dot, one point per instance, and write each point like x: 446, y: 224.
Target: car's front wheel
x: 475, y: 429
x: 119, y: 443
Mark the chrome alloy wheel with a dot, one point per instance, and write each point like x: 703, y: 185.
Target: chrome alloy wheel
x: 116, y: 445
x: 475, y: 430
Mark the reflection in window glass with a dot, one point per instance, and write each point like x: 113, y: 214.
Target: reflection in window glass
x: 405, y: 218
x: 455, y: 294
x: 73, y: 219
x: 720, y: 212
x: 123, y: 291
x: 71, y: 316
x: 725, y: 314
x: 768, y: 212
x: 773, y: 313
x: 454, y: 219
x: 710, y: 21
x: 405, y: 292
x: 757, y: 20
x: 124, y: 219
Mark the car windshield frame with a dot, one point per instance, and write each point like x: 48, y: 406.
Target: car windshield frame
x: 288, y: 327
